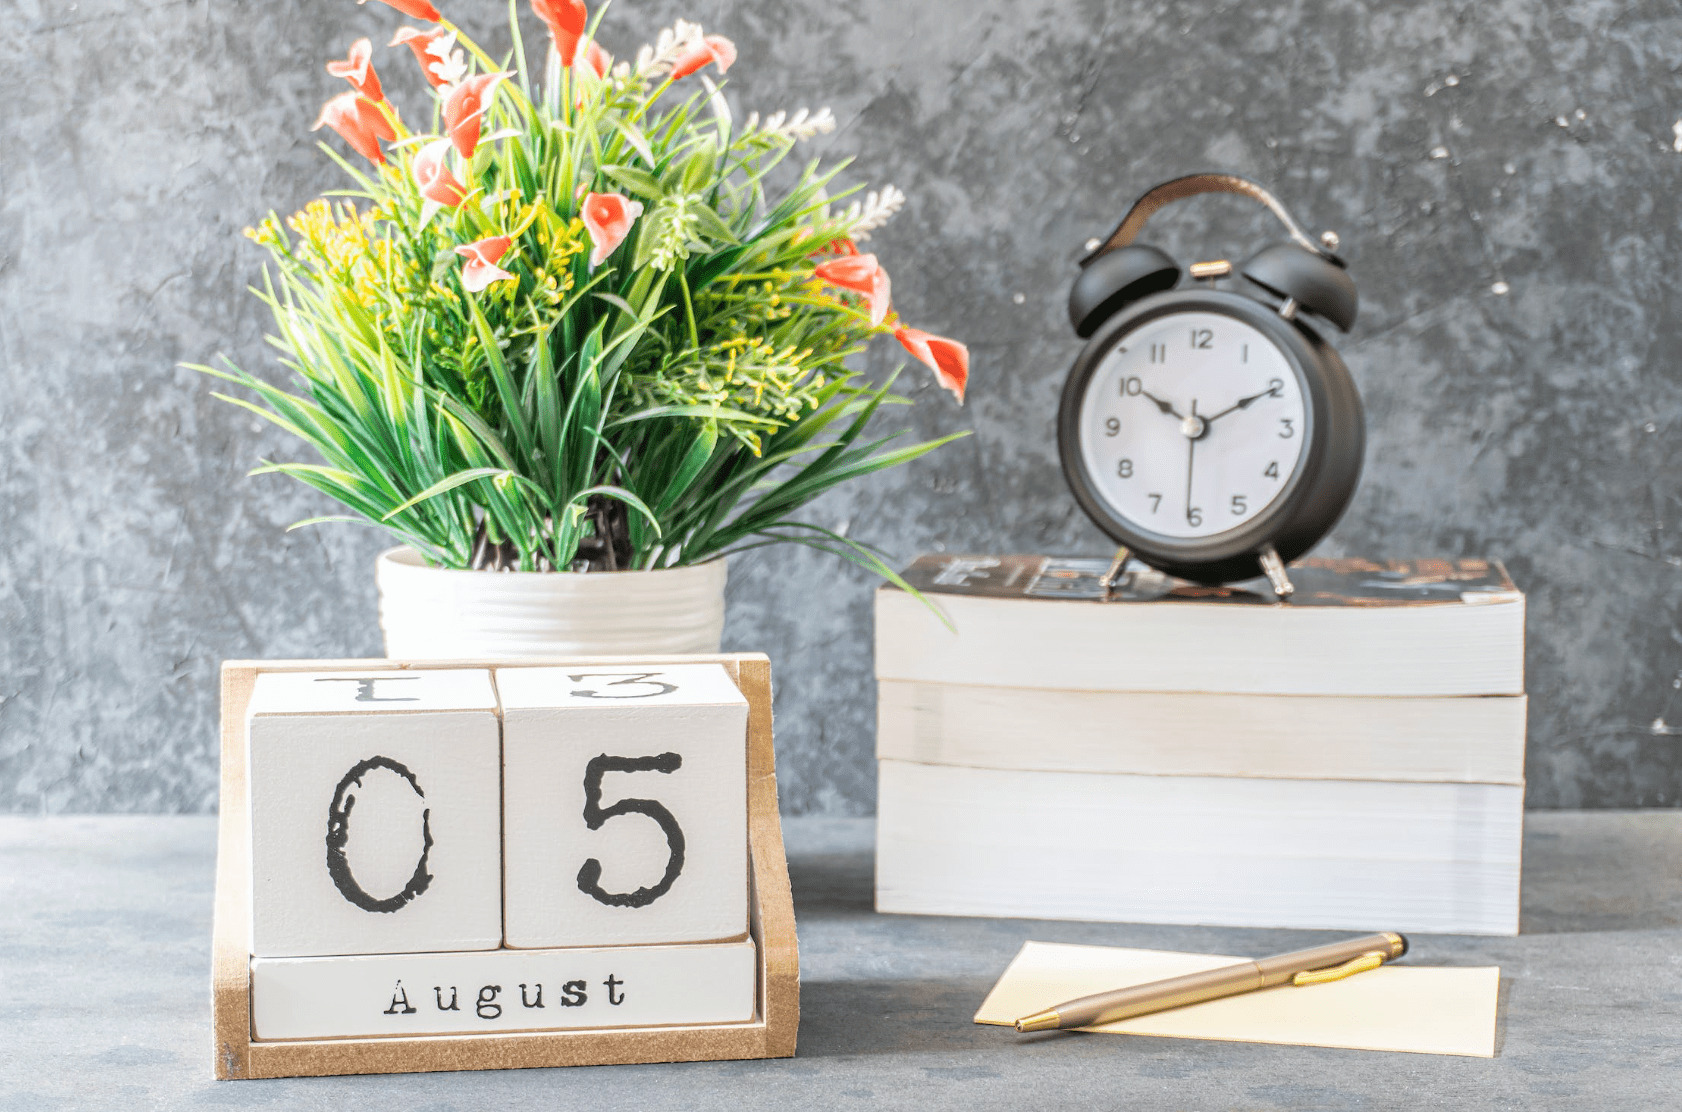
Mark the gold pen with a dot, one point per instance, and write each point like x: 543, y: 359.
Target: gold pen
x: 1330, y: 962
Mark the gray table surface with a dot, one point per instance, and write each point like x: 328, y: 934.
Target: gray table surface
x: 104, y: 996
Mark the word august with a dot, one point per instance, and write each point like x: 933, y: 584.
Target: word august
x: 574, y: 994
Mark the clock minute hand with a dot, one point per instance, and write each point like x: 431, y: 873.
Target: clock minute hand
x: 1166, y: 407
x: 1242, y: 403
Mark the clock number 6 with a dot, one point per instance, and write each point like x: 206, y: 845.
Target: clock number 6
x: 595, y: 815
x: 1194, y: 516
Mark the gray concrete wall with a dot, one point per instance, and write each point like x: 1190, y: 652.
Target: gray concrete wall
x: 1459, y: 148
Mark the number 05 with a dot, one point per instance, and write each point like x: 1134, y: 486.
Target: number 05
x: 595, y: 815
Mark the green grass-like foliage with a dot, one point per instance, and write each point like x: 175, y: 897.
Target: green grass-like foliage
x: 682, y: 400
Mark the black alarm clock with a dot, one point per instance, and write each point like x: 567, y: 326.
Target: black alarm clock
x: 1206, y: 426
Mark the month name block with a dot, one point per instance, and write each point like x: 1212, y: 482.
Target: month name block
x: 625, y: 805
x: 503, y: 990
x: 376, y: 818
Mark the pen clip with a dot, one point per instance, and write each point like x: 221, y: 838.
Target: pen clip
x: 1371, y: 960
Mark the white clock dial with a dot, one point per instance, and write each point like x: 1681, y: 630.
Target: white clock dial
x: 1192, y: 425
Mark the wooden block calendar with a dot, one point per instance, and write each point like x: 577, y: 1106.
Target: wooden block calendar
x: 449, y: 865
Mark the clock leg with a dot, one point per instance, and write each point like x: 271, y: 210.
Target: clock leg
x: 1275, y: 569
x: 1115, y: 574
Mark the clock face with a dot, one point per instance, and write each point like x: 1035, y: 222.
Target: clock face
x: 1192, y: 425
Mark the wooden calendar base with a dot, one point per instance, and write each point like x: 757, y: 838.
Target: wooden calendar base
x: 769, y: 1034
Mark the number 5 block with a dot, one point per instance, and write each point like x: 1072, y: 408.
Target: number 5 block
x: 375, y: 812
x: 625, y: 805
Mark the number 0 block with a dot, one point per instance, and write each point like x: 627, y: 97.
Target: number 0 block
x: 375, y: 803
x: 625, y: 797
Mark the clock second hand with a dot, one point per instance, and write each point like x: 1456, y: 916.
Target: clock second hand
x: 1191, y: 459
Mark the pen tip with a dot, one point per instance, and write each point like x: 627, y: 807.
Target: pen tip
x: 1039, y: 1021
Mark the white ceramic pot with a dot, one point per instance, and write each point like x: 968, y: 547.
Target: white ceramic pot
x: 432, y: 613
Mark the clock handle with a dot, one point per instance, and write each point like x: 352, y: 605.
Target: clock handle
x: 1190, y: 186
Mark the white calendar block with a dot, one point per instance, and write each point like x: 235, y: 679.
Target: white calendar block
x: 625, y: 805
x: 376, y: 818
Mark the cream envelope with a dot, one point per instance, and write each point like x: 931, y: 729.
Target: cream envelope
x: 1419, y: 1009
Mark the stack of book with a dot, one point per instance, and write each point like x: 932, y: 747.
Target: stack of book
x: 1352, y: 758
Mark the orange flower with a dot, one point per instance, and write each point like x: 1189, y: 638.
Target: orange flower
x: 565, y: 19
x: 432, y: 51
x: 434, y: 177
x: 464, y: 109
x: 608, y: 218
x: 592, y: 63
x: 358, y: 70
x: 480, y: 269
x: 842, y: 246
x: 589, y: 66
x: 414, y: 9
x: 863, y: 275
x: 713, y: 48
x: 948, y: 358
x: 359, y: 122
x: 596, y: 58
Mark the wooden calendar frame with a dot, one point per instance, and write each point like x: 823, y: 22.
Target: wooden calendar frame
x: 770, y: 1034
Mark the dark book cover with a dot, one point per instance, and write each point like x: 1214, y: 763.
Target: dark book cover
x: 1318, y: 581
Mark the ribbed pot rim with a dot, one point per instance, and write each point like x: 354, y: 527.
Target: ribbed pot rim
x: 411, y: 562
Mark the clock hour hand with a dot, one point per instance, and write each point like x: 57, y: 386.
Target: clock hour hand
x: 1166, y: 407
x: 1241, y: 403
